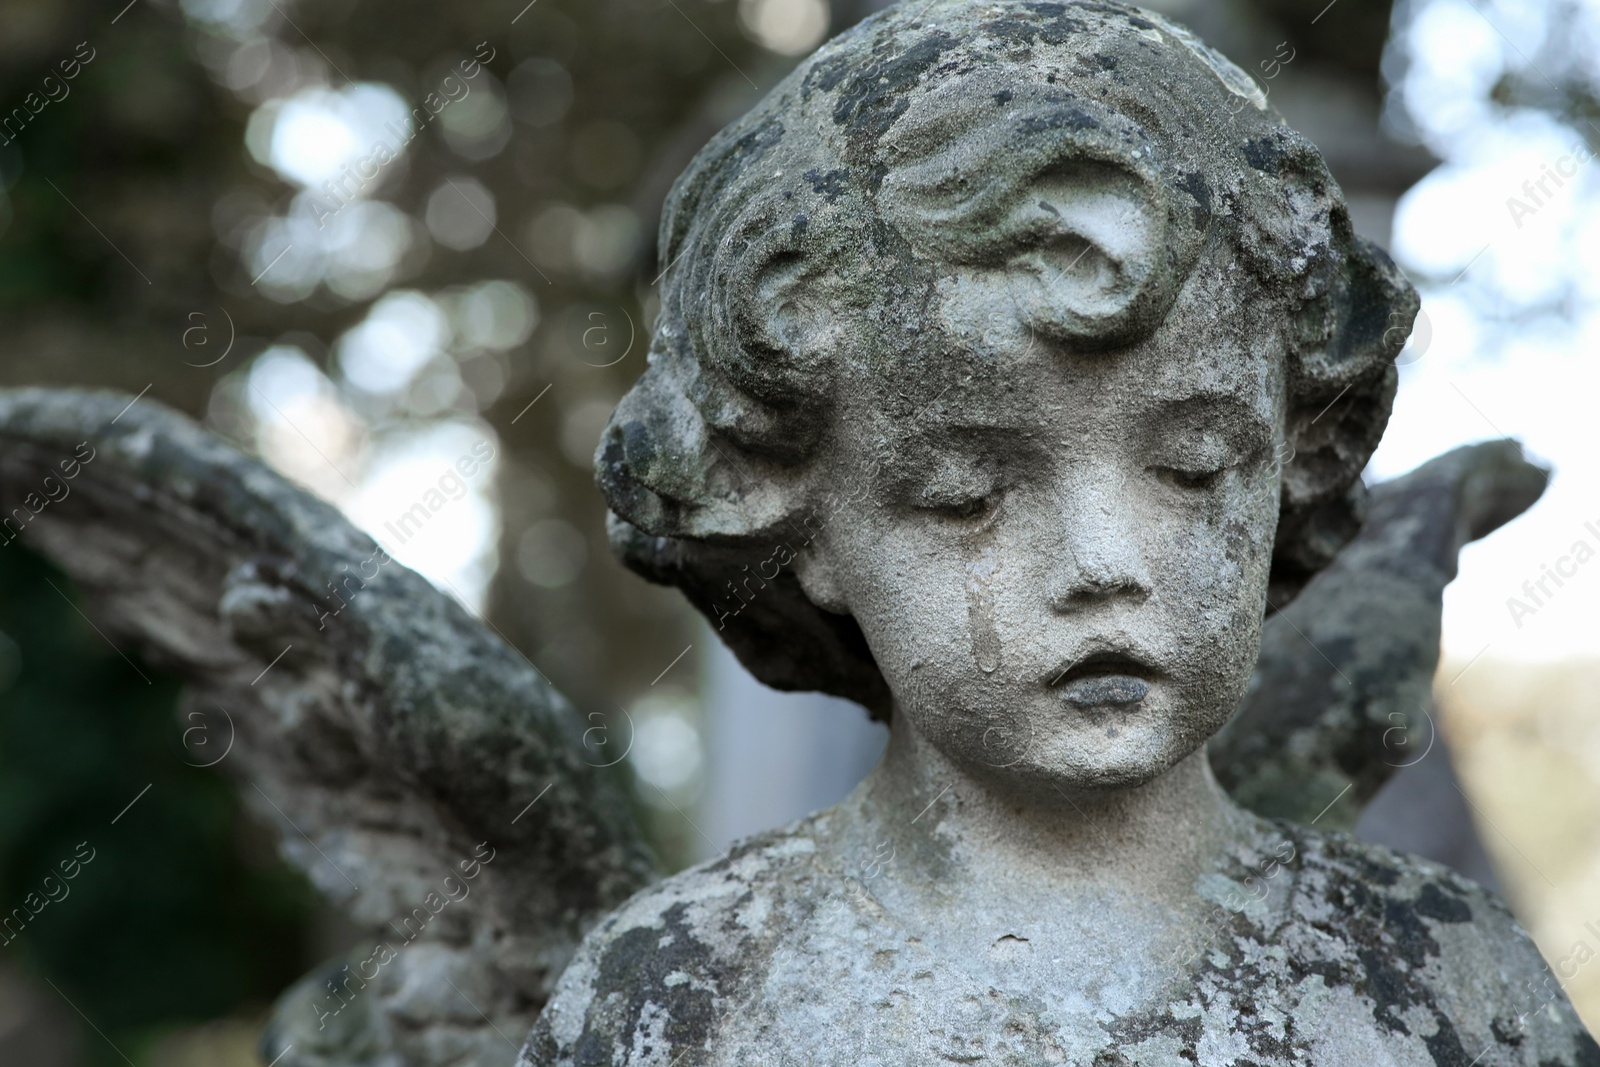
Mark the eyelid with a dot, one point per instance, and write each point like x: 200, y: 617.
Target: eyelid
x: 1195, y: 452
x: 1213, y: 424
x: 1191, y: 478
x: 985, y: 506
x: 949, y: 501
x: 952, y: 488
x: 1209, y: 451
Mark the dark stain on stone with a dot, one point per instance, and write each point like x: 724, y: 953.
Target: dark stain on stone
x: 1585, y: 1054
x: 826, y: 75
x: 1383, y: 874
x: 1410, y: 933
x: 1063, y: 117
x: 1195, y: 185
x: 637, y: 443
x: 632, y: 973
x: 740, y: 849
x: 876, y: 95
x: 1386, y: 986
x: 1390, y: 939
x: 1365, y: 310
x: 875, y: 175
x: 751, y: 147
x: 1445, y: 1045
x: 1021, y: 31
x: 1506, y: 1031
x: 1264, y: 154
x: 1003, y: 96
x: 1133, y: 1029
x: 1045, y: 21
x: 890, y: 243
x: 831, y: 185
x: 1386, y: 933
x: 1433, y: 904
x: 1110, y: 10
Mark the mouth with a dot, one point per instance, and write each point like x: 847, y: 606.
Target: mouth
x: 1104, y: 679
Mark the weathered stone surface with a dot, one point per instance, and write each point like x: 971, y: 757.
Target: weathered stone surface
x: 1313, y: 948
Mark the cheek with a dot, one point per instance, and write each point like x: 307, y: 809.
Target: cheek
x: 907, y: 600
x: 1249, y: 535
x: 914, y: 601
x: 1212, y: 574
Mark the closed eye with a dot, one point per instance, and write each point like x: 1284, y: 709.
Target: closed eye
x: 1202, y: 478
x: 969, y: 510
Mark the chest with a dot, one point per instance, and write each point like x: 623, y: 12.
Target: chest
x: 872, y: 994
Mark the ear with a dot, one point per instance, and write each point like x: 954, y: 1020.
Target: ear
x: 819, y: 580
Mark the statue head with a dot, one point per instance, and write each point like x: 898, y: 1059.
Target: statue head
x: 1014, y: 361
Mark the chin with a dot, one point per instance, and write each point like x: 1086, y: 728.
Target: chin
x: 1103, y: 754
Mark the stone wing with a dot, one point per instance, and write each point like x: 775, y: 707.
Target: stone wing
x: 424, y: 775
x: 1342, y: 697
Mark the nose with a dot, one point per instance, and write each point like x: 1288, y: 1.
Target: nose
x: 1100, y: 554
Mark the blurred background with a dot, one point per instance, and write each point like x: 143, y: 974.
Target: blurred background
x: 355, y: 237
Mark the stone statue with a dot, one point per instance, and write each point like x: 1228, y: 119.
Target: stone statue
x: 1016, y: 369
x: 1016, y: 364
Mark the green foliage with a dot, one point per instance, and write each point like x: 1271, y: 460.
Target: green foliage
x: 170, y: 921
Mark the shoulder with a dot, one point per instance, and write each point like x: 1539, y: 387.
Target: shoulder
x: 1432, y: 951
x: 659, y: 973
x: 1414, y: 901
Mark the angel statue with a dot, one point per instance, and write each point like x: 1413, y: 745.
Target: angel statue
x: 1014, y: 379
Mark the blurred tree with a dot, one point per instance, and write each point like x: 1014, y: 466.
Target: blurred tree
x: 176, y: 909
x: 137, y: 210
x: 142, y: 207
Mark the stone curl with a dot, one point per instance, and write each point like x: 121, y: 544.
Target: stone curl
x: 1087, y: 160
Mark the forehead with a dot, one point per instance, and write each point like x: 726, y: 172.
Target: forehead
x: 1208, y: 364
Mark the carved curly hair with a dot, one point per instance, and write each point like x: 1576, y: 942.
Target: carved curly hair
x: 823, y: 216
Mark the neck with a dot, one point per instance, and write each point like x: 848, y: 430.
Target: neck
x: 1153, y: 839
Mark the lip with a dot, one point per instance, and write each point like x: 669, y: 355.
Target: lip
x: 1107, y: 678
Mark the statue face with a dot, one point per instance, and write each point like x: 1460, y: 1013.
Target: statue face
x: 1061, y: 564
